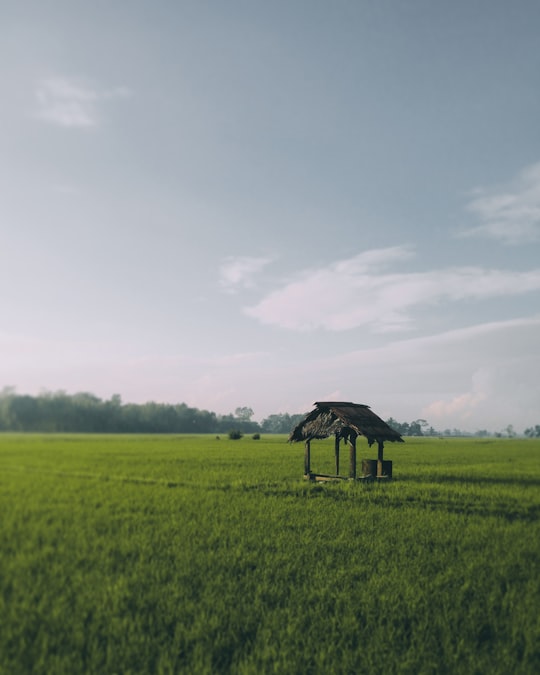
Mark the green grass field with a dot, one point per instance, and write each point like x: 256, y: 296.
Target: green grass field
x: 185, y: 554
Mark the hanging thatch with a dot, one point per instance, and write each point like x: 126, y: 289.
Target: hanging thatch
x: 330, y: 418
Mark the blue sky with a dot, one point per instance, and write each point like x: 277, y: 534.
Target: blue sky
x: 269, y: 204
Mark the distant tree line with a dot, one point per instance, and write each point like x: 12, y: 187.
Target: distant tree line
x: 417, y: 428
x: 86, y: 413
x: 421, y: 428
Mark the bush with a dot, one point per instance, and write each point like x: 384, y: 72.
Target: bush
x: 256, y: 437
x: 235, y: 434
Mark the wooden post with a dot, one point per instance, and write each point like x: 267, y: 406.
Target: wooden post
x: 336, y: 452
x: 380, y: 459
x: 307, y: 459
x: 352, y: 456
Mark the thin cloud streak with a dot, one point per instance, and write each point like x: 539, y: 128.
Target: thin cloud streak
x: 239, y: 272
x: 449, y: 342
x: 356, y: 292
x: 19, y: 349
x: 510, y: 214
x: 70, y: 104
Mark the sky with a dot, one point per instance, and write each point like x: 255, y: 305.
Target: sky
x: 268, y: 204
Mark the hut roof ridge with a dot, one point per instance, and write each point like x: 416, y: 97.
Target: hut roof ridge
x: 329, y: 404
x: 340, y: 417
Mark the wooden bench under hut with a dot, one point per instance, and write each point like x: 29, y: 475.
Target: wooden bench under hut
x: 346, y: 421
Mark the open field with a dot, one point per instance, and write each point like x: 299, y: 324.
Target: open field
x: 185, y: 554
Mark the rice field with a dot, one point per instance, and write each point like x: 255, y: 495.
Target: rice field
x: 188, y: 554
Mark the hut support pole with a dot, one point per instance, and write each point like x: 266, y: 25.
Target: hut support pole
x: 336, y: 452
x: 352, y: 456
x: 380, y: 459
x: 307, y: 458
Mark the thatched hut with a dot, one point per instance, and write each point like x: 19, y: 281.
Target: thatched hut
x: 346, y: 421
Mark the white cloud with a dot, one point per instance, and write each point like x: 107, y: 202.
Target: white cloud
x: 239, y: 272
x: 461, y: 406
x: 68, y: 103
x: 481, y: 376
x: 357, y: 292
x: 511, y: 213
x: 492, y: 374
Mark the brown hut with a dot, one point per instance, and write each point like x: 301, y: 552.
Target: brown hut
x: 346, y: 421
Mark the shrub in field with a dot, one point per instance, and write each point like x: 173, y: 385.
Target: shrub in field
x: 256, y: 437
x: 235, y: 434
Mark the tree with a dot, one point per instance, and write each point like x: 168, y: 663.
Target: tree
x: 242, y: 420
x: 6, y: 396
x: 24, y: 413
x: 243, y: 414
x: 419, y: 427
x: 415, y: 429
x: 533, y: 432
x: 281, y: 423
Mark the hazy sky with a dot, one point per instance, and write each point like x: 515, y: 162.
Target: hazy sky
x: 230, y: 203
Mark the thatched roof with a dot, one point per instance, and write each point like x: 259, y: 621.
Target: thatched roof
x: 330, y: 417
